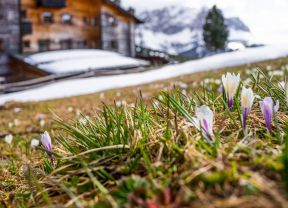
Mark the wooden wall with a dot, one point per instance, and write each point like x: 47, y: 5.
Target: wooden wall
x: 122, y: 32
x: 78, y: 31
x: 21, y: 71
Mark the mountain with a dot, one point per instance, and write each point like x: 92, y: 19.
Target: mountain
x: 177, y: 29
x: 168, y: 20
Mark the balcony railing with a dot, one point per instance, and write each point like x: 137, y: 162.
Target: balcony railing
x: 26, y: 28
x: 52, y: 3
x: 149, y: 53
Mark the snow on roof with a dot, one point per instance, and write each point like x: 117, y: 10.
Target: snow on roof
x: 71, y: 61
x: 96, y: 84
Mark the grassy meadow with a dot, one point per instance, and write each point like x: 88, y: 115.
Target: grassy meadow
x: 140, y: 146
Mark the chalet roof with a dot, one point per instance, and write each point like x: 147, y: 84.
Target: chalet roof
x: 124, y: 11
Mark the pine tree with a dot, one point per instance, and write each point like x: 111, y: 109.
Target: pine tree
x: 215, y: 32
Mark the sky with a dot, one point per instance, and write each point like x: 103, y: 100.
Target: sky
x: 267, y: 19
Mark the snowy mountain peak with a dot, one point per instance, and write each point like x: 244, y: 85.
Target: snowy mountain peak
x: 176, y: 29
x: 236, y: 24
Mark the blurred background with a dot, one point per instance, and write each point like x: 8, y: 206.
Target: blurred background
x: 264, y: 20
x: 45, y: 42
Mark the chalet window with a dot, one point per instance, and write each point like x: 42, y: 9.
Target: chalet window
x: 67, y: 18
x: 114, y: 45
x: 86, y: 20
x: 44, y: 45
x: 66, y: 44
x: 23, y: 14
x: 26, y: 44
x: 94, y: 21
x: 26, y: 28
x: 47, y: 17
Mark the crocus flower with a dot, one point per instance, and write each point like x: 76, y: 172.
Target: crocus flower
x: 284, y: 86
x: 268, y: 110
x: 46, y: 142
x: 8, y: 139
x: 205, y: 117
x: 230, y: 83
x: 247, y: 98
x: 34, y: 143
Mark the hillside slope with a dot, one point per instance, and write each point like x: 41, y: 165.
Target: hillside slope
x: 95, y: 84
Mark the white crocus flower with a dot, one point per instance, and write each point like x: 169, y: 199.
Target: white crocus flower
x: 42, y: 122
x: 247, y: 99
x: 8, y: 139
x: 34, y: 143
x: 283, y: 85
x: 205, y: 116
x: 230, y: 83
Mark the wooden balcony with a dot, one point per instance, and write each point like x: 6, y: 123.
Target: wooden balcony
x: 52, y: 3
x: 26, y: 28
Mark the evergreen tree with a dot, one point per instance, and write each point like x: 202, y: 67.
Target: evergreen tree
x: 215, y: 32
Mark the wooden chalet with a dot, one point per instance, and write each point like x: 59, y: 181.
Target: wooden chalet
x: 31, y: 26
x: 75, y: 24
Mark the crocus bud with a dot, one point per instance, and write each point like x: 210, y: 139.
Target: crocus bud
x: 205, y: 117
x: 268, y: 110
x: 247, y: 99
x: 46, y: 142
x: 230, y: 83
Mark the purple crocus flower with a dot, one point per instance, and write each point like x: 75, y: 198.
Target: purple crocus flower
x: 205, y: 117
x: 230, y: 84
x: 268, y: 110
x: 46, y: 142
x: 247, y: 99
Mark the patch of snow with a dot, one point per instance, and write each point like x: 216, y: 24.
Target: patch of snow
x: 242, y: 36
x: 96, y: 84
x: 235, y: 46
x: 71, y: 61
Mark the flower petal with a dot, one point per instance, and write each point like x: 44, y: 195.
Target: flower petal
x: 206, y: 117
x: 46, y: 141
x: 277, y: 106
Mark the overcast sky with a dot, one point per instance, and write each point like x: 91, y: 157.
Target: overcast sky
x: 267, y: 19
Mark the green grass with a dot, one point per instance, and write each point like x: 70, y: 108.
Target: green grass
x: 148, y: 153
